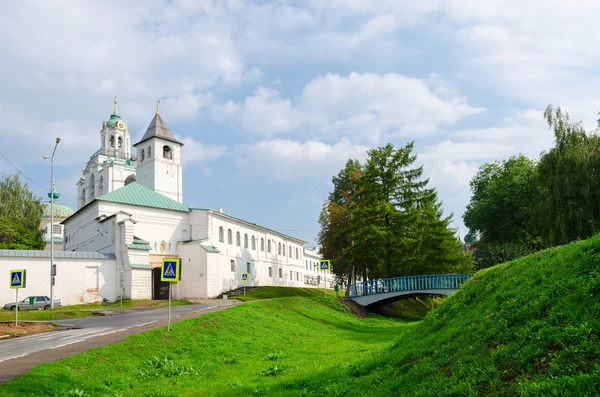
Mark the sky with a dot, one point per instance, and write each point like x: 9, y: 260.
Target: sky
x: 271, y: 98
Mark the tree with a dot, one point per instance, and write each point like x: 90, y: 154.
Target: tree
x: 570, y: 174
x: 383, y: 221
x: 20, y: 215
x: 335, y: 220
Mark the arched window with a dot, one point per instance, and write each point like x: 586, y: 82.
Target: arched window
x: 92, y: 187
x: 149, y: 152
x: 283, y: 249
x: 269, y: 246
x: 245, y: 241
x: 253, y: 243
x: 237, y: 239
x: 120, y: 142
x: 167, y: 153
x: 111, y: 141
x: 262, y: 244
x: 142, y: 155
x: 296, y: 253
x: 290, y: 249
x: 100, y: 185
x: 279, y: 249
x: 129, y: 179
x: 221, y: 235
x: 229, y: 238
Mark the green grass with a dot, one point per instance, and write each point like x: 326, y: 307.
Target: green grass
x: 281, y: 292
x: 279, y: 346
x: 77, y: 311
x: 530, y: 327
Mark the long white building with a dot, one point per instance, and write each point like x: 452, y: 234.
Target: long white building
x: 131, y: 208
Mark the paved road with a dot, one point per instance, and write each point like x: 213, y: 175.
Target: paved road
x: 89, y: 327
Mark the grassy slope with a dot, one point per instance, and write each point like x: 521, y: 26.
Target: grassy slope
x: 281, y: 292
x: 258, y: 348
x: 77, y: 311
x: 529, y: 327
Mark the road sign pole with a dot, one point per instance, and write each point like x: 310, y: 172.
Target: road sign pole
x: 17, y: 309
x: 169, y: 321
x: 244, y: 291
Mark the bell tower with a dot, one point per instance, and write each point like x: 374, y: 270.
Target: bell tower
x: 159, y: 160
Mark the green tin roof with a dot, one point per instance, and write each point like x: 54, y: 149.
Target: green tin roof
x: 137, y: 240
x: 139, y: 247
x: 140, y: 266
x: 210, y: 248
x: 136, y: 194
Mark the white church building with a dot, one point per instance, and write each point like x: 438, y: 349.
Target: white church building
x: 131, y: 211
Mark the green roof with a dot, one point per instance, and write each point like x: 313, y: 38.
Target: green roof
x: 210, y: 248
x: 136, y: 194
x: 137, y: 240
x: 140, y: 266
x: 139, y: 246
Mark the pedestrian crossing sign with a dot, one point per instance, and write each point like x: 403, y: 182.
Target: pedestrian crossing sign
x: 17, y: 278
x: 171, y: 269
x: 244, y: 277
x: 325, y: 265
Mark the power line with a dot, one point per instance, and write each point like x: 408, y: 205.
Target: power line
x: 22, y: 173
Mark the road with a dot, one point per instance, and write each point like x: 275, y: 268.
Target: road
x: 90, y: 327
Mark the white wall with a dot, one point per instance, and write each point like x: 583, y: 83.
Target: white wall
x: 194, y: 273
x: 72, y: 281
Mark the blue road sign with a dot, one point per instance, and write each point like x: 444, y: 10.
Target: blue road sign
x: 170, y: 270
x: 17, y: 278
x: 244, y: 277
x: 324, y: 264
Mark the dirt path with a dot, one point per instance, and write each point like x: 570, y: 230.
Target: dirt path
x: 10, y: 330
x: 16, y: 367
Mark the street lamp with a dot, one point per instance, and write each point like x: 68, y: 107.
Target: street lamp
x: 52, y: 274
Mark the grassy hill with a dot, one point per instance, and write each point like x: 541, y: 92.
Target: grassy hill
x: 529, y: 327
x: 283, y: 292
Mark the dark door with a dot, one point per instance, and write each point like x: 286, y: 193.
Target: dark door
x: 160, y: 289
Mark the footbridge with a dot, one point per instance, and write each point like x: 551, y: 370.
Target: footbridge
x: 386, y: 290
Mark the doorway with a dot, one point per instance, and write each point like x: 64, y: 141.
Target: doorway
x: 160, y: 289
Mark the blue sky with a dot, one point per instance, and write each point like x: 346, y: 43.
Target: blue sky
x: 272, y: 97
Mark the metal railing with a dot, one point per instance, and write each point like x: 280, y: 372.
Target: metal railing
x: 407, y: 283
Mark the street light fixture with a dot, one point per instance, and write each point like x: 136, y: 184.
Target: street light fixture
x: 52, y: 271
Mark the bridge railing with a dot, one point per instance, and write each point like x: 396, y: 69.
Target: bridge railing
x: 407, y: 283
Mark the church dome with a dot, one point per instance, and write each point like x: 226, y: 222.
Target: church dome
x: 469, y: 238
x: 116, y: 122
x: 61, y: 211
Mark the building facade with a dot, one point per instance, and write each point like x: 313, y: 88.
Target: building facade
x: 132, y: 207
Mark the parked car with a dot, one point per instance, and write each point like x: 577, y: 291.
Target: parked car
x: 40, y: 302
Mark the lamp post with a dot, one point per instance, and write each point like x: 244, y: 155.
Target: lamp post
x: 52, y: 223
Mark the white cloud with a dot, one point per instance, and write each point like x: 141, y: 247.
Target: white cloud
x: 364, y: 108
x: 285, y: 160
x: 196, y: 152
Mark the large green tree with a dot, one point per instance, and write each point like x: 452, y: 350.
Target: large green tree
x: 381, y: 220
x: 20, y: 215
x: 570, y: 175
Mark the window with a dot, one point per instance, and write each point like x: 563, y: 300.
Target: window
x: 297, y: 276
x: 269, y: 246
x: 296, y: 253
x: 56, y: 229
x: 245, y: 240
x: 149, y: 152
x: 283, y: 249
x: 248, y: 267
x: 120, y: 143
x: 237, y: 239
x: 290, y: 249
x: 221, y: 235
x: 279, y: 249
x: 40, y: 299
x: 142, y: 155
x: 232, y: 263
x: 112, y: 141
x: 229, y: 238
x: 167, y: 153
x: 270, y: 271
x: 280, y: 273
x: 306, y: 265
x: 262, y: 244
x: 101, y: 185
x: 253, y: 243
x: 291, y: 274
